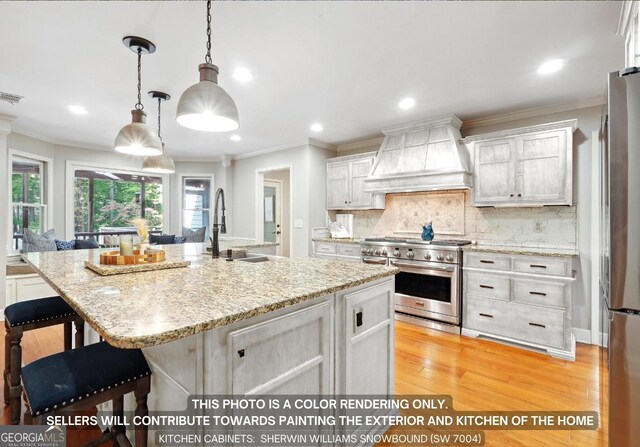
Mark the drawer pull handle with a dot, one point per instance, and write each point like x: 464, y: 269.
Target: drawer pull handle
x: 484, y: 261
x: 537, y: 325
x: 487, y: 315
x: 538, y: 293
x: 419, y: 303
x: 482, y: 286
x: 537, y: 266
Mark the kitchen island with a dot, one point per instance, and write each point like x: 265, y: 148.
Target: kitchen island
x: 284, y: 326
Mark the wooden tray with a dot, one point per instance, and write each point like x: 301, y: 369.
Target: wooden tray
x: 114, y: 257
x: 142, y: 265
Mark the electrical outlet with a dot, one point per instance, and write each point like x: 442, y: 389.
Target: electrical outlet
x: 538, y: 226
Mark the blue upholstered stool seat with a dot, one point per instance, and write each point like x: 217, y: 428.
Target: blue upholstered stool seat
x: 62, y: 379
x: 34, y: 311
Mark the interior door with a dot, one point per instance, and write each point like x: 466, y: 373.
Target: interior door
x: 273, y: 213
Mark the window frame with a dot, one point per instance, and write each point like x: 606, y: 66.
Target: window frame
x: 181, y: 209
x: 46, y: 194
x: 70, y: 175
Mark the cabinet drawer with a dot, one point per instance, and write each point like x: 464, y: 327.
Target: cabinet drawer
x: 541, y: 293
x: 531, y: 324
x: 540, y: 325
x: 349, y: 249
x: 488, y: 286
x: 324, y: 247
x: 491, y: 261
x: 32, y: 288
x: 541, y: 266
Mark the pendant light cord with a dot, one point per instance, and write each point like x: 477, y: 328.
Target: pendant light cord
x: 139, y: 105
x: 159, y: 102
x: 207, y: 58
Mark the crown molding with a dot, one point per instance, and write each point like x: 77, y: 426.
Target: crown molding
x: 362, y: 144
x: 444, y: 120
x: 278, y: 148
x: 533, y: 112
x: 572, y: 124
x: 322, y: 144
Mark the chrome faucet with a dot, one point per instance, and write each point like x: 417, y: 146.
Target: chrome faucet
x: 215, y: 246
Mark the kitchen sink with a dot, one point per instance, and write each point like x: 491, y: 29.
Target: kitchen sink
x: 254, y: 259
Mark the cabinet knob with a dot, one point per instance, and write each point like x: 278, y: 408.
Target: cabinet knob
x: 241, y: 352
x: 511, y: 195
x: 519, y: 195
x: 345, y: 201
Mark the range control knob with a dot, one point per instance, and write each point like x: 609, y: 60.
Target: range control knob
x: 450, y: 258
x: 440, y: 257
x: 377, y: 252
x: 396, y: 253
x: 369, y: 251
x: 410, y: 254
x: 363, y: 251
x: 384, y: 252
x: 427, y: 256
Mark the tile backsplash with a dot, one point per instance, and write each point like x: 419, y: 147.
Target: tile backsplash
x: 454, y: 218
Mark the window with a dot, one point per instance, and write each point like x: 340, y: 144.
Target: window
x: 105, y: 200
x: 28, y: 204
x: 196, y: 203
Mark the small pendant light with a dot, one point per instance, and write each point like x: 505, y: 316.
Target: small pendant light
x: 161, y: 164
x: 206, y: 106
x: 136, y: 138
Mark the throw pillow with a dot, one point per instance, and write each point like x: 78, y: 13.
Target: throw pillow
x: 83, y: 244
x: 34, y: 242
x: 64, y: 245
x: 180, y: 239
x: 162, y: 239
x: 194, y: 235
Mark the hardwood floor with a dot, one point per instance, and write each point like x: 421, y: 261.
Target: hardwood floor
x: 478, y: 374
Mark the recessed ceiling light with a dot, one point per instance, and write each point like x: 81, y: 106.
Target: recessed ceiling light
x: 550, y: 66
x: 407, y: 103
x: 235, y: 138
x: 316, y: 127
x: 78, y: 110
x: 242, y: 74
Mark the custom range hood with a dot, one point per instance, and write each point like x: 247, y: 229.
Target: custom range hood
x: 425, y: 155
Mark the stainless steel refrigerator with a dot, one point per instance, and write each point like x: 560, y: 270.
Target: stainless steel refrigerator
x: 620, y: 258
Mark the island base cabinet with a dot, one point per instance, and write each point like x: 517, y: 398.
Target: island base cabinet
x: 290, y: 354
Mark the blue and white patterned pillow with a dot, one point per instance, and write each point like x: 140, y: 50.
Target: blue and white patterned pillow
x: 180, y: 239
x: 66, y: 245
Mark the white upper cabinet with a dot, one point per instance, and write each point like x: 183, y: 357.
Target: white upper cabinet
x: 345, y: 183
x: 530, y: 166
x: 628, y: 27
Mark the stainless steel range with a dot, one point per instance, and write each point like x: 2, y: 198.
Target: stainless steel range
x: 428, y: 287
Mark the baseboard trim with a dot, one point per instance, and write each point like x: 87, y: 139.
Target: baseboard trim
x: 582, y: 335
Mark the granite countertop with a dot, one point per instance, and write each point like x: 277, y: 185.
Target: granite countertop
x: 243, y: 244
x: 529, y: 251
x: 338, y: 240
x: 145, y: 309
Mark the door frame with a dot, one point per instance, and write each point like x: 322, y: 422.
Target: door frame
x: 277, y: 184
x: 259, y: 202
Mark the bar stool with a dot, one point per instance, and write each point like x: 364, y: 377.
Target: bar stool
x: 26, y: 316
x: 85, y: 377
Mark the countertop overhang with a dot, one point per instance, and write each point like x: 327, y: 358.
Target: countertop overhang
x: 138, y: 310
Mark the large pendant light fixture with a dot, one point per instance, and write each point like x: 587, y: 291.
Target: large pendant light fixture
x: 206, y: 106
x: 136, y: 138
x: 160, y: 164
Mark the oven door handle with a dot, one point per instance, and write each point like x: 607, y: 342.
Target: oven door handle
x: 418, y: 267
x: 375, y: 261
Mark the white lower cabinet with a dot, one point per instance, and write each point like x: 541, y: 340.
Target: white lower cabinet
x: 526, y: 301
x: 27, y: 287
x: 290, y: 354
x: 344, y: 251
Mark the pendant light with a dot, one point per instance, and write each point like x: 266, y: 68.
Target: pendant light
x: 136, y: 138
x: 160, y: 164
x: 206, y: 106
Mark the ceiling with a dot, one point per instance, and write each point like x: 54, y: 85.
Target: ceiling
x: 343, y: 64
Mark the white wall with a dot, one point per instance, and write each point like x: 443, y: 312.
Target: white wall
x: 309, y: 191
